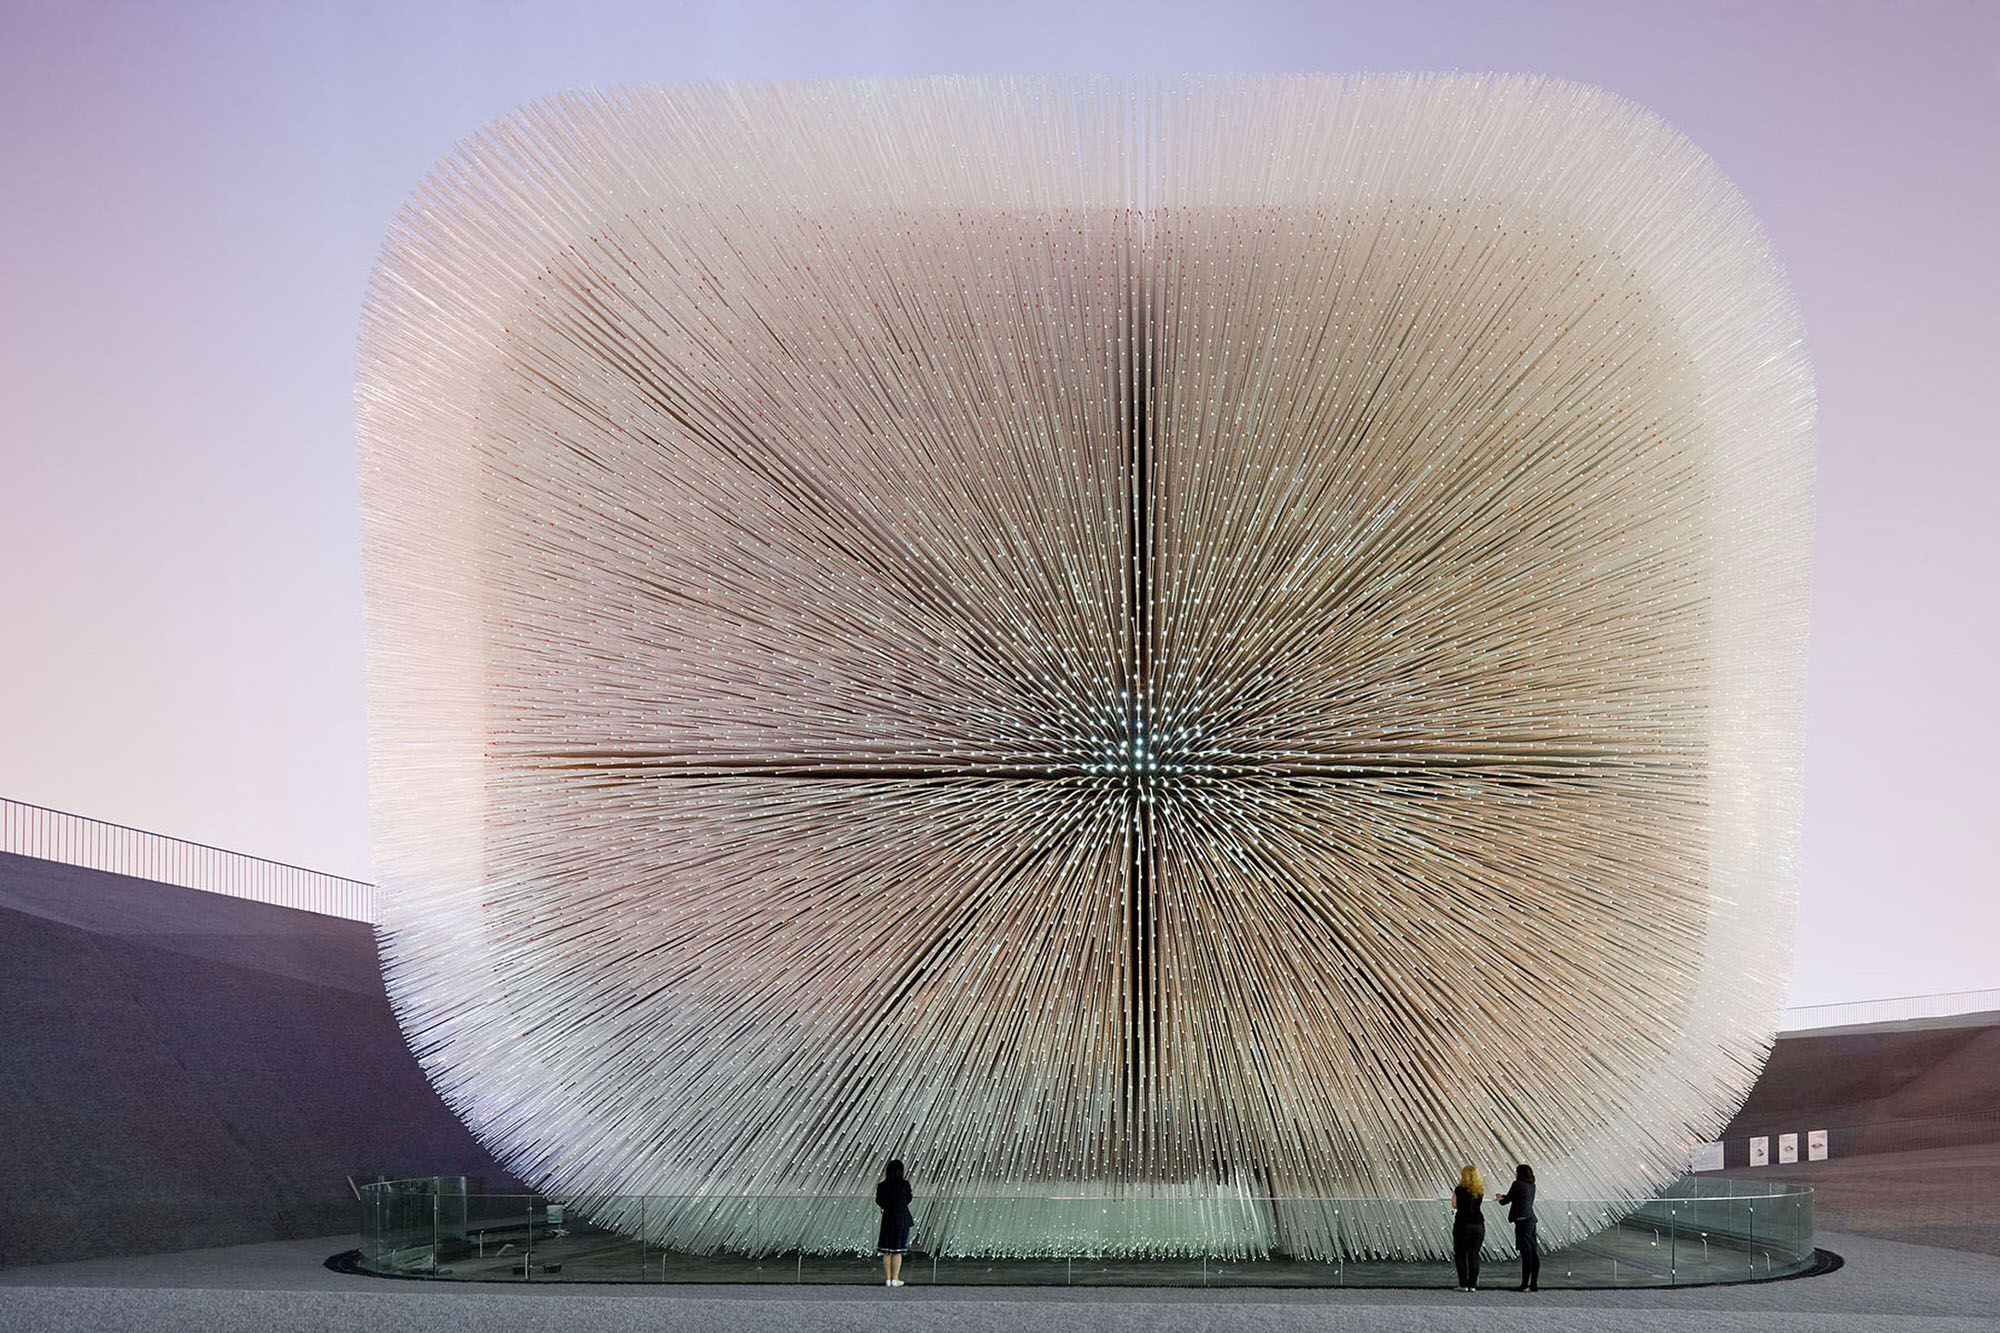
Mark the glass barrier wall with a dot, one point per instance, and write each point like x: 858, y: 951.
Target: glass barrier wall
x: 1704, y: 1230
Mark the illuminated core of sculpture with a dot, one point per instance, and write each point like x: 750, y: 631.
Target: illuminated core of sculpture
x: 1176, y: 641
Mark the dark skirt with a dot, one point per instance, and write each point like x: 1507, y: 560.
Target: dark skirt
x: 895, y: 1237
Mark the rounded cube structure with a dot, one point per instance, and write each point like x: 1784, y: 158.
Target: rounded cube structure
x: 1206, y: 644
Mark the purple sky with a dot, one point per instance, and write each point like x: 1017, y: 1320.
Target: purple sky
x: 191, y: 196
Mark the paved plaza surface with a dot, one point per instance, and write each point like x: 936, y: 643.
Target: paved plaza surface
x: 1869, y: 1208
x: 1947, y: 1197
x: 1885, y: 1285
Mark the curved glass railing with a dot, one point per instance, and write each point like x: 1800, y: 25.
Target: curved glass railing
x: 1704, y: 1230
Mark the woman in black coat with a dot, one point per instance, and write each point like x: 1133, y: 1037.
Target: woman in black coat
x: 1520, y: 1201
x: 893, y: 1196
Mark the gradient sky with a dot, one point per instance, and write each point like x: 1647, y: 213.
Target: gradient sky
x: 191, y: 196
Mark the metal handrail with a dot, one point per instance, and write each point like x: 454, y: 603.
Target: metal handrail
x: 27, y: 829
x: 1899, y: 1008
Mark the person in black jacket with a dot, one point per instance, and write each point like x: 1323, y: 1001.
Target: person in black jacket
x: 1520, y: 1201
x: 893, y: 1196
x: 1468, y: 1227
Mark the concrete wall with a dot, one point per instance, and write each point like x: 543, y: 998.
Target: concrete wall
x: 1894, y: 1072
x: 181, y: 1069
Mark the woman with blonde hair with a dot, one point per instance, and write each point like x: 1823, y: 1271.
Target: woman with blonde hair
x: 1468, y: 1227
